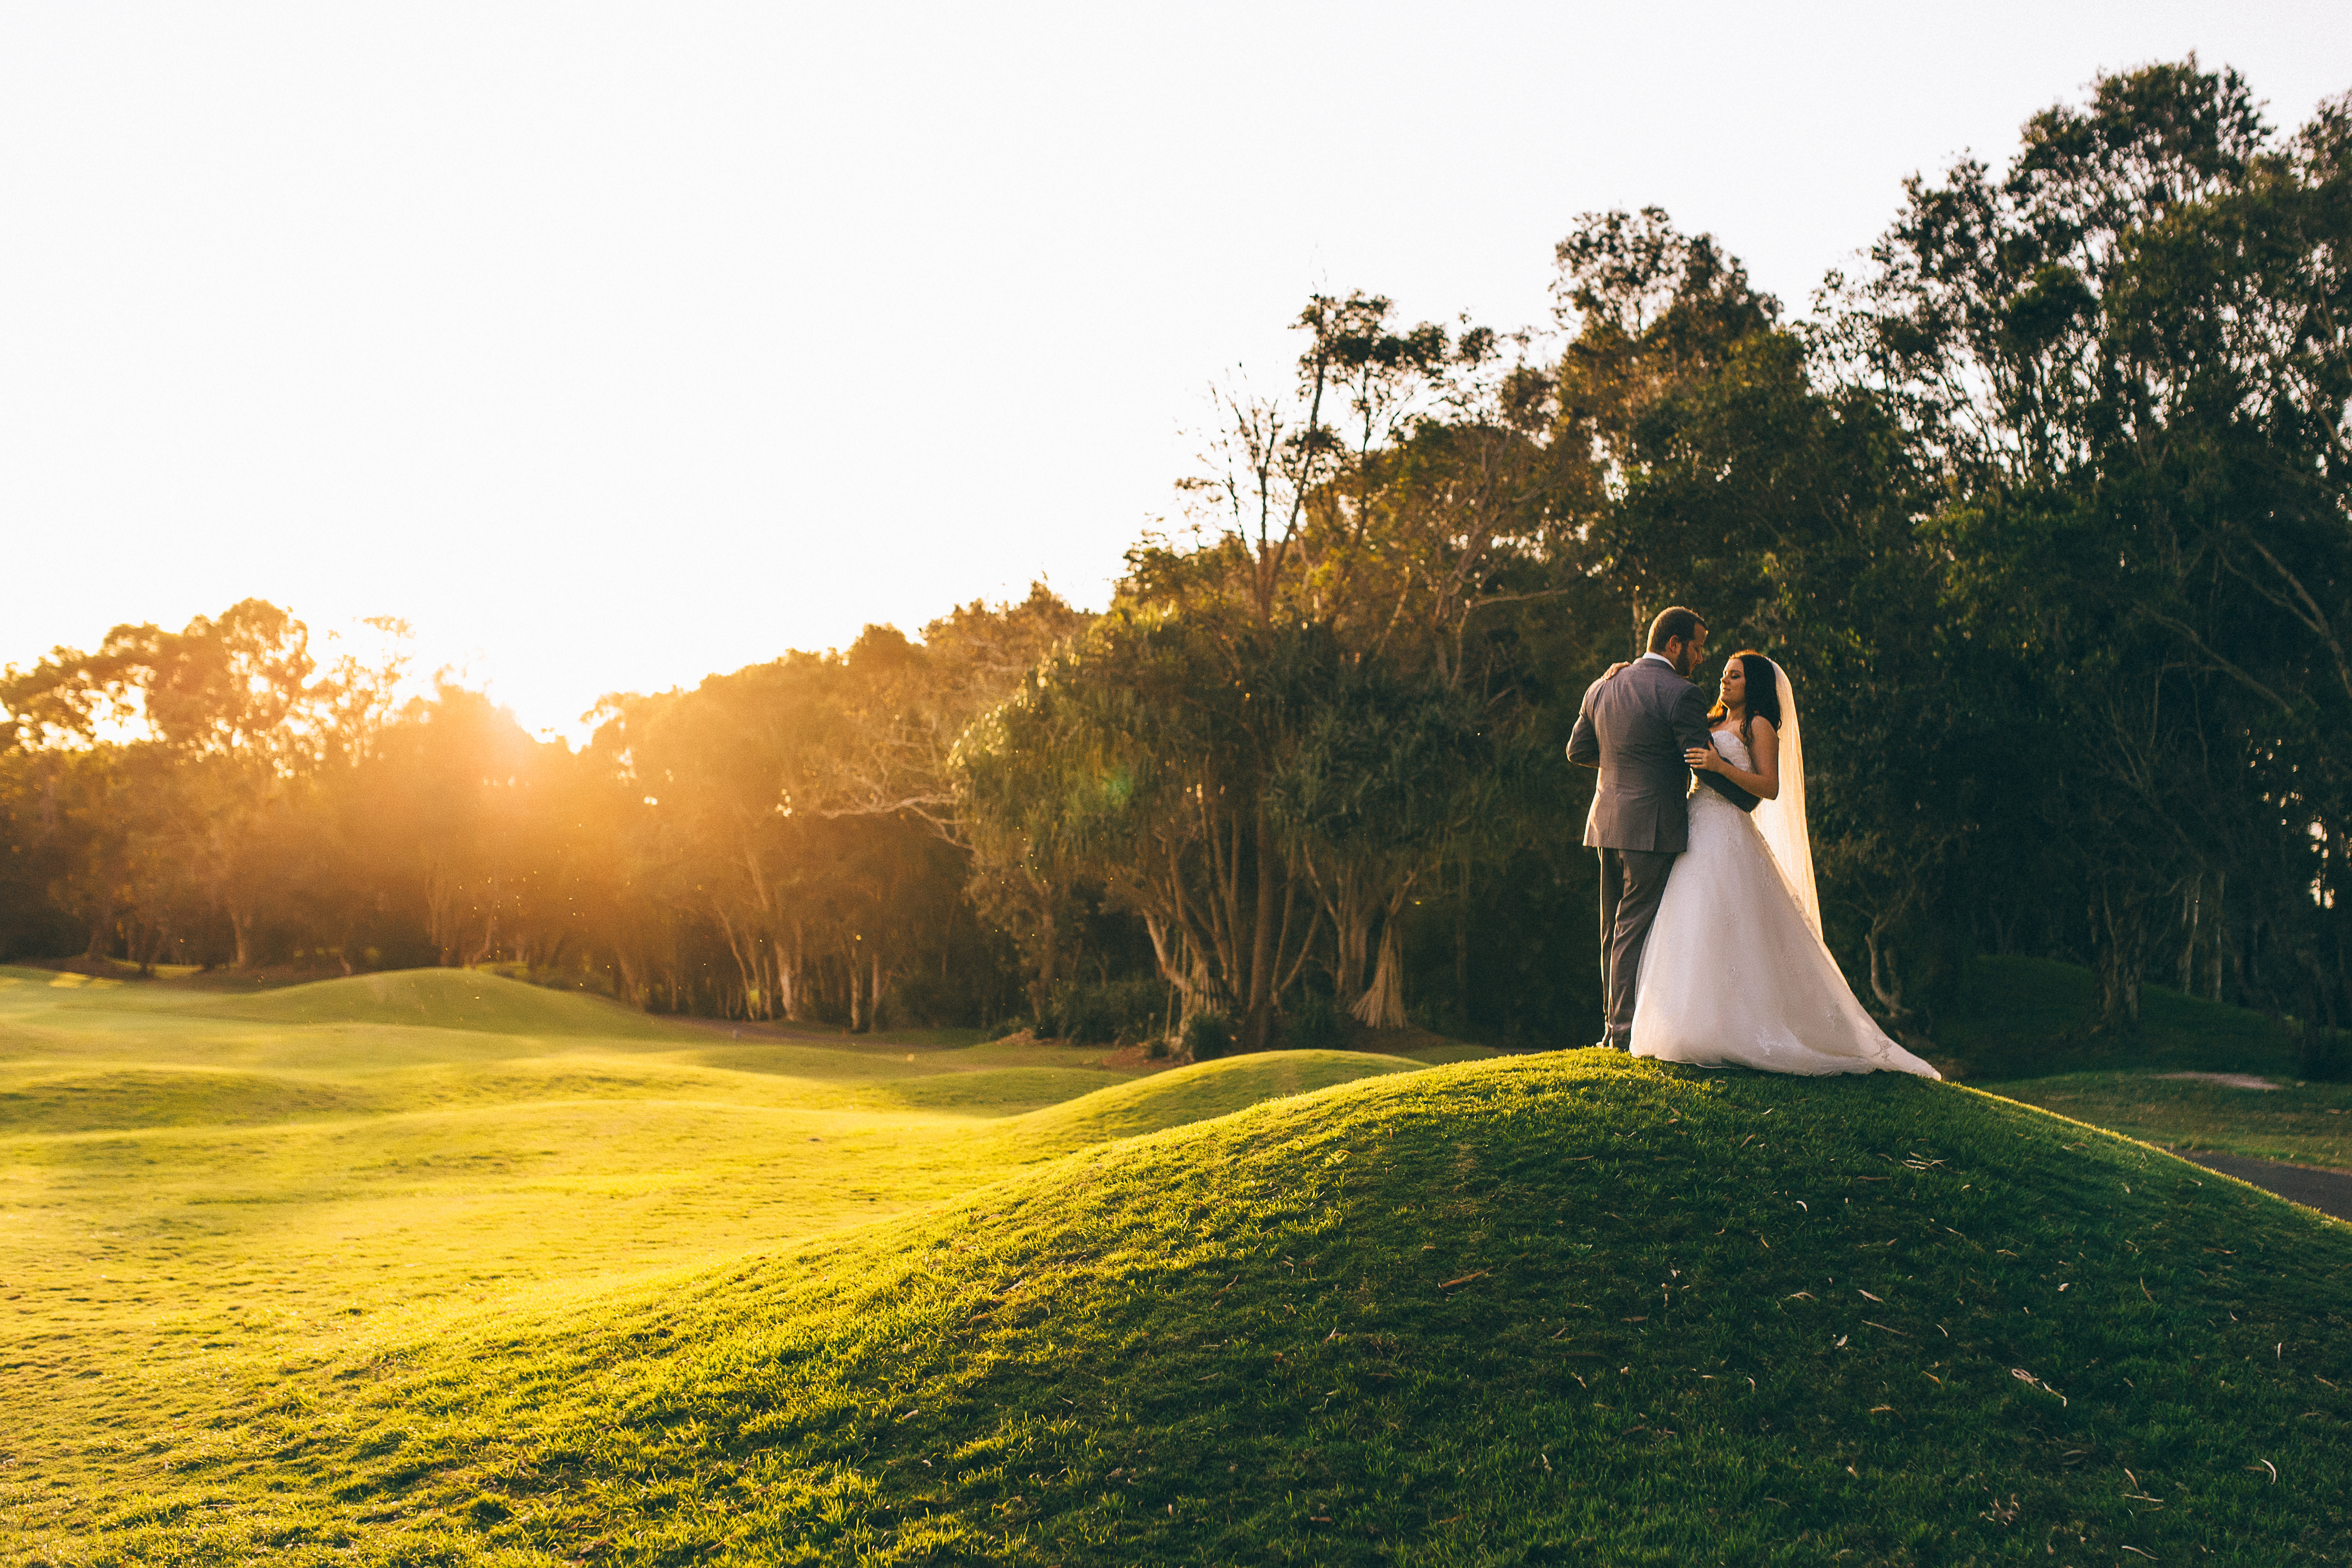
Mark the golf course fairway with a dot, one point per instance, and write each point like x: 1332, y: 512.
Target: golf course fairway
x: 436, y: 1267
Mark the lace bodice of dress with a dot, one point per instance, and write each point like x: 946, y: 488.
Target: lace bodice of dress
x: 1728, y: 741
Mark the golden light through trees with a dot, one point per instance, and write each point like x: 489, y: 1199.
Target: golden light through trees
x: 2046, y: 518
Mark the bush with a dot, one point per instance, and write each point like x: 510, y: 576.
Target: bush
x: 1208, y: 1035
x: 1313, y: 1024
x: 1109, y: 1014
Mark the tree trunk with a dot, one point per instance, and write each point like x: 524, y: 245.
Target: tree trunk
x: 2221, y: 886
x: 1461, y: 949
x: 489, y: 943
x: 2194, y: 903
x: 744, y: 949
x: 1262, y: 938
x: 440, y: 924
x: 1352, y: 924
x: 1049, y: 953
x: 1886, y: 980
x: 1382, y: 1006
x: 2120, y: 955
x: 790, y: 993
x: 152, y: 939
x: 240, y: 925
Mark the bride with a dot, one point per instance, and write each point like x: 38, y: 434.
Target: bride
x: 1735, y: 973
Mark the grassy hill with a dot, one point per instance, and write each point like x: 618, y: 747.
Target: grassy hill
x: 441, y: 999
x: 192, y: 1183
x: 668, y: 1297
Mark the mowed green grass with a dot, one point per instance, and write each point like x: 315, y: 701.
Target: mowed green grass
x: 2023, y: 1033
x: 2302, y: 1124
x: 193, y: 1186
x: 571, y: 1298
x: 2023, y: 1018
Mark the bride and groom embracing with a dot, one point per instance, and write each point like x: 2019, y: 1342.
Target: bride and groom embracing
x: 1710, y: 928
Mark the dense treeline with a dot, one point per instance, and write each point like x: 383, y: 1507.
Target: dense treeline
x: 2044, y: 510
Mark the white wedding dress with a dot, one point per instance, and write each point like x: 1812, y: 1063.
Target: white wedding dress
x: 1735, y: 973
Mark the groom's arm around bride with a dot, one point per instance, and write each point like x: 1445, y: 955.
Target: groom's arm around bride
x: 1635, y: 727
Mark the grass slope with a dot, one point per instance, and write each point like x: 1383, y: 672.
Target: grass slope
x: 2303, y: 1124
x: 190, y: 1198
x: 1196, y: 1094
x: 440, y: 999
x: 2021, y: 1032
x: 2019, y: 1018
x: 1556, y: 1308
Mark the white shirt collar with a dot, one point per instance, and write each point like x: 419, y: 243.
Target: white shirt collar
x: 1661, y: 658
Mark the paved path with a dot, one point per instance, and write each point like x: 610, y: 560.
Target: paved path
x: 2314, y: 1186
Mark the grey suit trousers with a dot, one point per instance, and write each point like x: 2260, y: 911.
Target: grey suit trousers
x: 1632, y: 883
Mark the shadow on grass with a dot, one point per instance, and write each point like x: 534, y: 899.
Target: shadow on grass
x: 2030, y: 1017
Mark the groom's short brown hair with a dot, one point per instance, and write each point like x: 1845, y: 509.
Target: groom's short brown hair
x: 1676, y: 622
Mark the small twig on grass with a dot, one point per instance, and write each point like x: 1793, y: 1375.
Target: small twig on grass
x: 1898, y: 1333
x: 1449, y: 1284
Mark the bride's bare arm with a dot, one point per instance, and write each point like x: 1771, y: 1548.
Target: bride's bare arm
x: 1765, y: 781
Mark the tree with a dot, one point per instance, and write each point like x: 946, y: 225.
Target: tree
x: 2126, y: 364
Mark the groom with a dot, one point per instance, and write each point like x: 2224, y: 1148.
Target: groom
x: 1634, y: 728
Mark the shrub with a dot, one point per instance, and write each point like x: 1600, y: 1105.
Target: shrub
x: 1112, y: 1012
x: 1208, y: 1035
x: 1313, y: 1024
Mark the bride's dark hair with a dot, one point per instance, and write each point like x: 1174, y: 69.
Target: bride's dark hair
x: 1763, y: 695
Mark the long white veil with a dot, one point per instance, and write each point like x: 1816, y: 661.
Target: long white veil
x: 1782, y: 821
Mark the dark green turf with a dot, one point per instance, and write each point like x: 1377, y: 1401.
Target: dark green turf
x: 2028, y: 1018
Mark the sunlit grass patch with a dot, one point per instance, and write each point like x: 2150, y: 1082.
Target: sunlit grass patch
x: 1565, y: 1307
x: 376, y: 1293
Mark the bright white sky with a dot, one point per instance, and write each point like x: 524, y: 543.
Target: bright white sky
x: 610, y: 345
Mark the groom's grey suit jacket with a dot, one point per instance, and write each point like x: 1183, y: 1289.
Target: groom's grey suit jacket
x: 1635, y: 728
